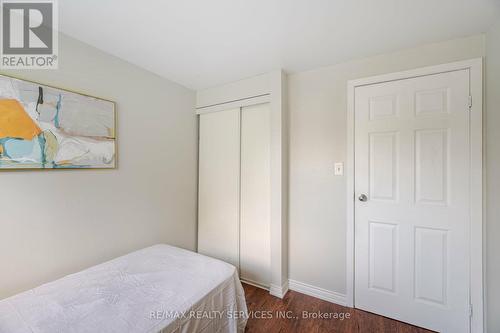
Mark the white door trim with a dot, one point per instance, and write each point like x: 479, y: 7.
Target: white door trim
x: 475, y: 67
x: 250, y: 101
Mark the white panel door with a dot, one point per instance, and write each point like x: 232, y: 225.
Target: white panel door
x: 411, y: 231
x: 255, y: 232
x: 219, y: 185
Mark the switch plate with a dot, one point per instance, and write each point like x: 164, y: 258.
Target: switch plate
x: 339, y: 169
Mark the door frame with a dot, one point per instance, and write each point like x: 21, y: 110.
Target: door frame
x: 476, y: 265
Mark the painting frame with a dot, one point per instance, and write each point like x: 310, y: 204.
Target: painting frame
x: 79, y: 93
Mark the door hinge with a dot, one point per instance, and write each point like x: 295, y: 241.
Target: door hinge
x: 470, y: 310
x: 470, y: 102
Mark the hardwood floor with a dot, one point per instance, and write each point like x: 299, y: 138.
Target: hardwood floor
x: 263, y: 306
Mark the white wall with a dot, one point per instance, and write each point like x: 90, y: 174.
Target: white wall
x: 56, y: 222
x: 492, y: 122
x: 318, y: 108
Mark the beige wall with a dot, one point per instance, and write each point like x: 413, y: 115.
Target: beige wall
x: 56, y: 222
x: 318, y: 107
x: 492, y: 122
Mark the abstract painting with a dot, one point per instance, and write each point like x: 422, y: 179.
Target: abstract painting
x: 42, y: 127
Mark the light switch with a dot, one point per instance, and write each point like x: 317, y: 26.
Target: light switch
x: 339, y: 169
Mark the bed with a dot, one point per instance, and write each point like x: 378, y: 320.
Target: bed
x: 158, y: 289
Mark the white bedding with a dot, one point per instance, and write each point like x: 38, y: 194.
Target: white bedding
x: 145, y: 291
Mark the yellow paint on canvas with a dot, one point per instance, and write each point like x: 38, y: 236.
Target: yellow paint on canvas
x: 15, y: 122
x: 111, y: 133
x: 51, y: 146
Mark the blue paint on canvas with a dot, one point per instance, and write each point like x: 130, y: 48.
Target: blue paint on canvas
x: 23, y: 150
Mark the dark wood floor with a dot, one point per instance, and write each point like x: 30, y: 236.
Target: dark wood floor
x: 262, y: 306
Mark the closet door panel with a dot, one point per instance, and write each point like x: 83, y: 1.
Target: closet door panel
x: 255, y: 251
x: 219, y: 185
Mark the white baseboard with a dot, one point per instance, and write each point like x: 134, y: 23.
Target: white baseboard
x: 304, y: 288
x: 279, y: 291
x: 326, y: 295
x: 254, y: 283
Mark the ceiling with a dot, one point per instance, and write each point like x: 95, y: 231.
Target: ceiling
x: 203, y: 43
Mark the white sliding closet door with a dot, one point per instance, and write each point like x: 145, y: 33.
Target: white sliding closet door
x: 255, y: 251
x: 219, y: 185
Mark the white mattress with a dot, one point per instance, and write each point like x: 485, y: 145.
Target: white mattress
x: 145, y: 291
